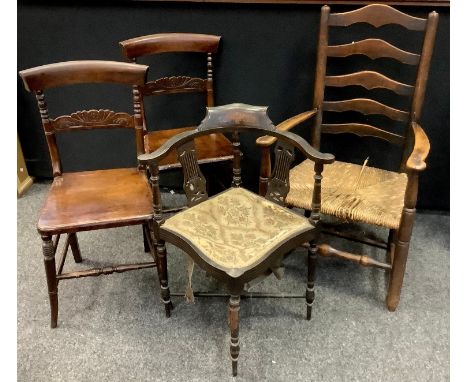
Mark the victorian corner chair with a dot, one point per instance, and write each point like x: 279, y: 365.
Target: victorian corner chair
x: 359, y: 193
x: 88, y: 200
x: 236, y: 236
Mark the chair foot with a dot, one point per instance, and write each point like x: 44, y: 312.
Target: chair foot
x: 168, y: 309
x: 233, y: 320
x: 234, y: 368
x: 392, y: 303
x: 73, y: 240
x: 48, y: 251
x: 311, y: 268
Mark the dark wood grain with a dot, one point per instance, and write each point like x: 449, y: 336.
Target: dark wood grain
x: 422, y: 146
x: 169, y: 42
x: 194, y: 181
x: 173, y: 85
x: 415, y: 143
x: 78, y: 72
x: 235, y: 118
x: 210, y: 148
x: 278, y: 184
x: 369, y: 80
x: 92, y: 119
x: 377, y: 15
x: 89, y: 200
x: 286, y: 125
x: 362, y: 130
x: 366, y: 106
x: 215, y: 148
x: 373, y: 48
x: 96, y: 199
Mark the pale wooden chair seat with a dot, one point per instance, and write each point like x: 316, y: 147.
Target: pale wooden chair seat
x: 374, y: 196
x: 236, y: 229
x: 96, y: 199
x: 210, y: 148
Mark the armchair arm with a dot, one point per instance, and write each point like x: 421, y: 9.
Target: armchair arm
x: 416, y: 160
x: 266, y: 141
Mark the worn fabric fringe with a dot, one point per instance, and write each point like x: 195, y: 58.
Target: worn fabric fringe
x: 189, y: 296
x: 352, y: 192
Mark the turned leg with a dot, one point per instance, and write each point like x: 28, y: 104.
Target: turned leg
x: 233, y: 320
x: 73, y: 240
x: 390, y: 246
x: 145, y: 241
x: 163, y: 279
x: 400, y: 256
x: 311, y: 268
x: 49, y: 264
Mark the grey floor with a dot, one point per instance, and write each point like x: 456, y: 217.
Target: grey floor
x: 113, y: 328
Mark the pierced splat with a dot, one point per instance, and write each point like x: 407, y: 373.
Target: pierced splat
x: 194, y: 181
x: 278, y: 185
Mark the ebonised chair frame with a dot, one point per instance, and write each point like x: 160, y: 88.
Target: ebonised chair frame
x: 235, y: 118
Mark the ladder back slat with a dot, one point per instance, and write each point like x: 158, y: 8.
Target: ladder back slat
x: 363, y: 130
x: 366, y: 106
x: 377, y: 15
x: 373, y: 48
x: 369, y: 80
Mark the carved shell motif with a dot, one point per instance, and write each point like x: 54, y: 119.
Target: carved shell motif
x: 87, y: 119
x: 168, y: 84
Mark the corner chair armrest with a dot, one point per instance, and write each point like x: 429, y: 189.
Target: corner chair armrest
x: 267, y: 141
x: 421, y: 148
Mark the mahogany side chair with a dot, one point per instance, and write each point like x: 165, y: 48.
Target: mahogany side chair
x: 88, y: 200
x: 211, y: 148
x: 360, y: 193
x: 236, y: 236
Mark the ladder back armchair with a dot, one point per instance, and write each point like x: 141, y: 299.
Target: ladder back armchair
x: 355, y: 193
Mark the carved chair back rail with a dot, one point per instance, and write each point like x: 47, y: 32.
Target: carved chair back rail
x: 225, y: 264
x: 83, y: 201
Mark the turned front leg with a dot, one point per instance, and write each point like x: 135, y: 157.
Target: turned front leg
x: 163, y: 278
x: 233, y: 320
x: 402, y: 242
x: 48, y: 251
x: 311, y: 270
x: 73, y: 240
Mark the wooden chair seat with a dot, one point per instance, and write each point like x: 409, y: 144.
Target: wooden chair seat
x: 352, y: 192
x: 210, y: 148
x: 96, y: 199
x: 236, y: 230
